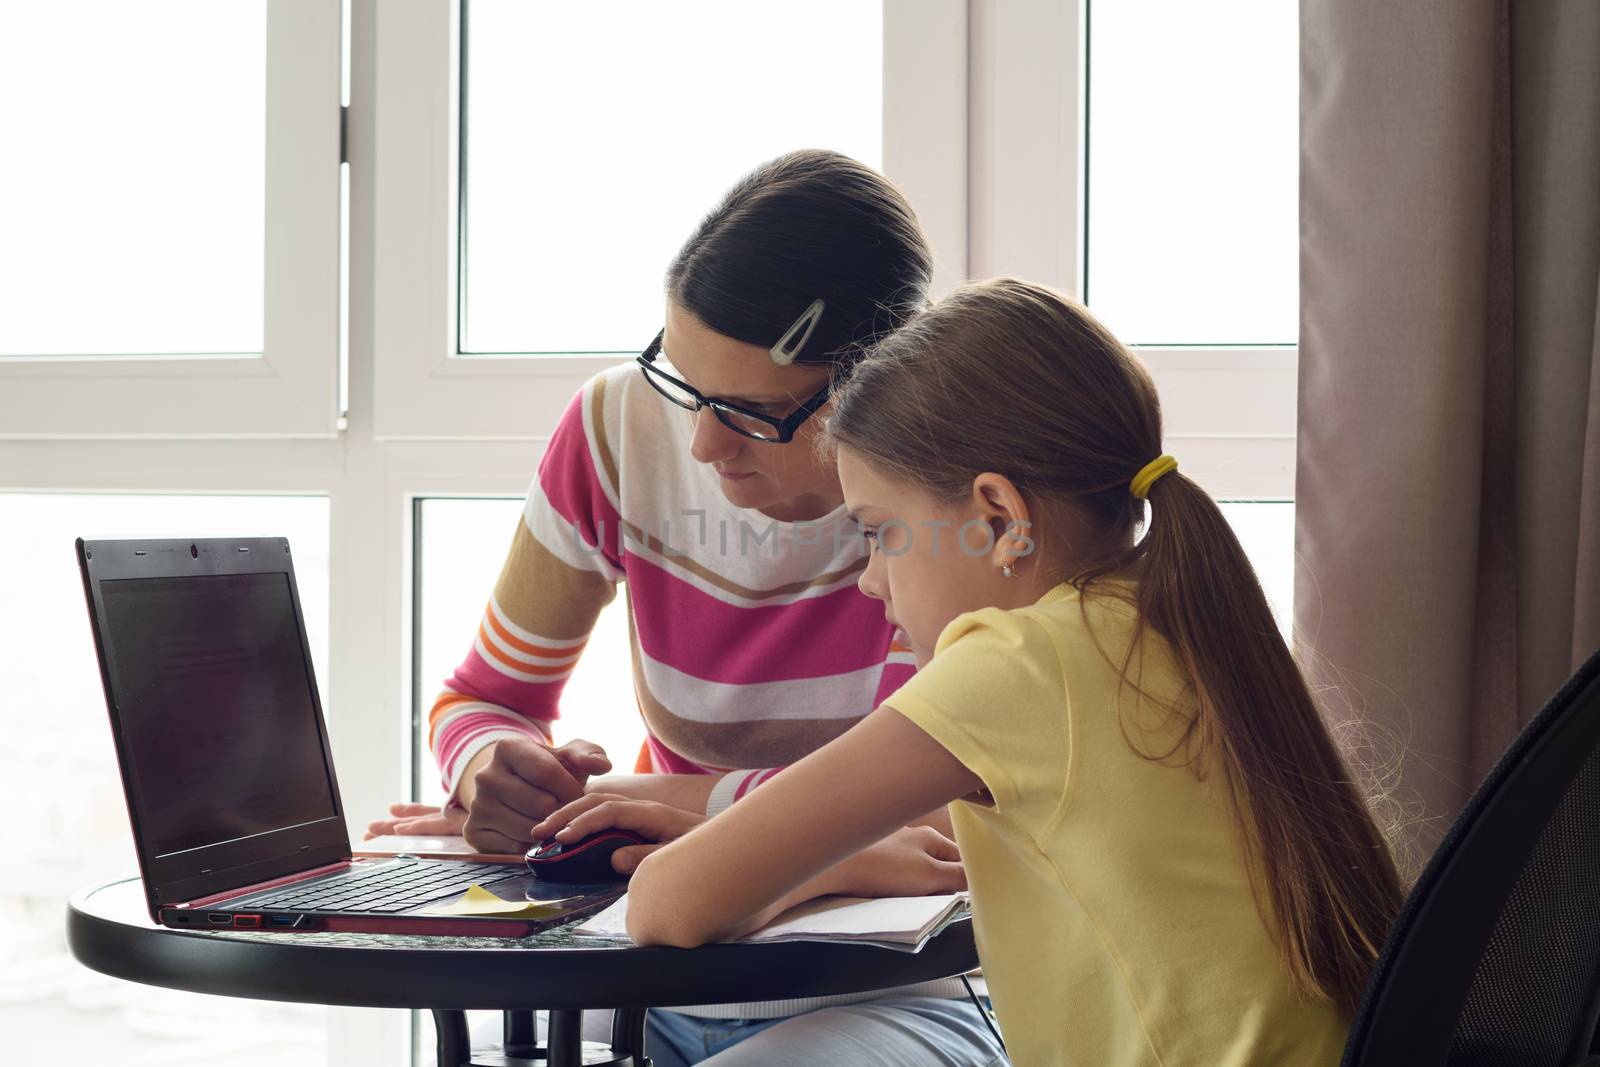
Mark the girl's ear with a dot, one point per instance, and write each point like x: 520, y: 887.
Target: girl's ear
x: 998, y: 501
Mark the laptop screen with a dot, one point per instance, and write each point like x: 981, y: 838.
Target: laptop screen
x: 216, y: 708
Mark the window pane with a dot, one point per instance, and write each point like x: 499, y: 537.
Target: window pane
x: 133, y: 144
x: 1193, y: 224
x: 60, y: 766
x: 461, y: 545
x: 1265, y: 528
x: 587, y: 167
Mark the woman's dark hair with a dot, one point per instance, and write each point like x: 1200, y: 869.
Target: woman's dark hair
x: 806, y: 226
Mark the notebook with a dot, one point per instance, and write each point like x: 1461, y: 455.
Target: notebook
x: 227, y: 768
x: 904, y: 923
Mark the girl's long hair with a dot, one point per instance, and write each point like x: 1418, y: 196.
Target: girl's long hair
x: 1017, y: 379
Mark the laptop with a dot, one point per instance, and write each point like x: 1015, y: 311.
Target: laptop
x: 226, y: 764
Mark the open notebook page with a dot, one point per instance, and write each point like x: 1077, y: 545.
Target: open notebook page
x: 904, y: 923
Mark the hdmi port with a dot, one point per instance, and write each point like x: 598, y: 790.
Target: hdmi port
x: 218, y: 919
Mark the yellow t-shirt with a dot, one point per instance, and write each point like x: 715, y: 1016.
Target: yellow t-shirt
x: 1111, y: 902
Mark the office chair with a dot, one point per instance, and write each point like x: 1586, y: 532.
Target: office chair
x: 1494, y: 960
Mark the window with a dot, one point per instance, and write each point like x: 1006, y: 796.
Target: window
x: 1193, y: 125
x: 582, y: 178
x: 534, y: 196
x: 128, y: 234
x: 59, y: 761
x: 461, y: 544
x: 1191, y: 241
x: 1035, y: 121
x: 150, y: 149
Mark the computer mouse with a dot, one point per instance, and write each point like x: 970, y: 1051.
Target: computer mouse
x: 587, y: 859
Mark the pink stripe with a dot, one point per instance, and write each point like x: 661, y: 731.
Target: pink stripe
x: 685, y: 628
x: 571, y: 484
x: 667, y: 761
x: 480, y: 680
x: 767, y: 776
x: 461, y: 730
x: 894, y: 676
x: 744, y: 785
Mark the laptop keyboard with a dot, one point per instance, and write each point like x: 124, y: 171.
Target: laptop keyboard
x: 384, y: 890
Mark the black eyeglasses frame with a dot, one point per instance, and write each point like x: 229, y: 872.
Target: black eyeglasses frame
x: 785, y: 427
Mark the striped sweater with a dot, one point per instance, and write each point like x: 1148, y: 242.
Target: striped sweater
x: 751, y: 644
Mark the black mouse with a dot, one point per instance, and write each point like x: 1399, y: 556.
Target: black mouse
x: 587, y: 859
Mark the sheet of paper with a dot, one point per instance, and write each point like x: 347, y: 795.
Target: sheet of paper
x: 479, y: 901
x: 903, y: 920
x: 903, y: 923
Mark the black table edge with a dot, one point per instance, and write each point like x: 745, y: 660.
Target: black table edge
x: 496, y: 978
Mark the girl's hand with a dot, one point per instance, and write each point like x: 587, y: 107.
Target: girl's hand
x: 603, y: 811
x: 916, y: 861
x: 424, y: 820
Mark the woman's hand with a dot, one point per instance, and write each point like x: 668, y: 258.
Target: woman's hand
x: 603, y: 811
x: 423, y: 820
x: 517, y: 781
x: 916, y: 861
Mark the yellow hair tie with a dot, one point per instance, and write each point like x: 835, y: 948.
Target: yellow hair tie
x: 1140, y: 486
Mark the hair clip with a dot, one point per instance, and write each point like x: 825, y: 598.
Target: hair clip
x: 794, y: 339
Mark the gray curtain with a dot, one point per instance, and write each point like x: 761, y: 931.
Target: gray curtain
x: 1448, y: 484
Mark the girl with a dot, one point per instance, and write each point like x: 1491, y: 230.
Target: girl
x: 1168, y: 860
x: 689, y: 479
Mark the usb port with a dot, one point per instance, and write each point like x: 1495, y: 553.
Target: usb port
x: 218, y: 919
x: 281, y: 920
x: 247, y: 920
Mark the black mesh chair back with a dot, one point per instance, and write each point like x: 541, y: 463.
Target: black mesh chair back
x: 1494, y: 960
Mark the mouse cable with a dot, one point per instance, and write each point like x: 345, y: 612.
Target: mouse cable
x: 983, y: 1011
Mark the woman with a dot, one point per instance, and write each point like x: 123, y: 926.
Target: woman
x: 691, y: 478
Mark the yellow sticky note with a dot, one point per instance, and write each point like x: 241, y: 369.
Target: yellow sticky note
x: 479, y: 901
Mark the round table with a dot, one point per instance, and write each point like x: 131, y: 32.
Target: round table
x: 109, y: 930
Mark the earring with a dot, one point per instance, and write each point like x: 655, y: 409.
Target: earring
x: 1009, y: 570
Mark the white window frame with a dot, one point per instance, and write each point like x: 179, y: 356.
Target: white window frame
x: 1229, y: 413
x: 290, y: 389
x: 425, y: 392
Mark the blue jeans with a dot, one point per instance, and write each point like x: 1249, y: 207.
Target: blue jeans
x: 892, y: 1032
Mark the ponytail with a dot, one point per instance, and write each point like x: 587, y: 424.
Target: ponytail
x: 1330, y: 885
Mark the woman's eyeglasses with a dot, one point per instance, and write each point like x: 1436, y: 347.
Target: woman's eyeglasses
x: 739, y: 419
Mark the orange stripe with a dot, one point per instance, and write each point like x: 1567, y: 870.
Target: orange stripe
x: 510, y: 664
x: 440, y: 706
x: 896, y: 646
x: 447, y: 701
x: 450, y: 702
x: 525, y: 647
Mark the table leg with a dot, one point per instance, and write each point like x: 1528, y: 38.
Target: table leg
x: 521, y: 1034
x: 627, y: 1035
x: 564, y: 1039
x: 454, y: 1042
